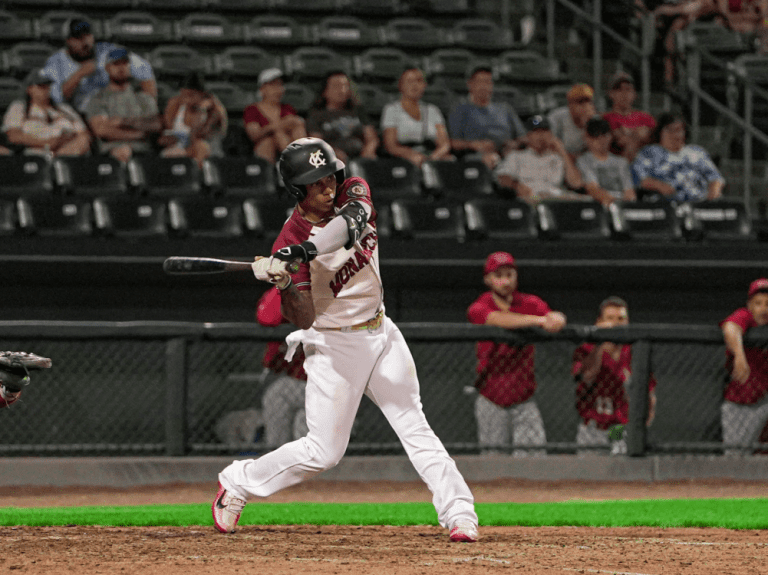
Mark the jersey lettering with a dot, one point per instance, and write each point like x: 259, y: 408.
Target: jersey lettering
x: 354, y: 264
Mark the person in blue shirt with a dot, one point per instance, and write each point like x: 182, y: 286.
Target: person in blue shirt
x: 78, y: 70
x: 481, y: 128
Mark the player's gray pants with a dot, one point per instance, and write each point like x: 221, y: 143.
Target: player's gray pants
x: 742, y: 424
x: 283, y: 409
x: 589, y: 434
x: 521, y: 423
x: 341, y: 368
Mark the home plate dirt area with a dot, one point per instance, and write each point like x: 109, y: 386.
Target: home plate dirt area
x: 277, y: 550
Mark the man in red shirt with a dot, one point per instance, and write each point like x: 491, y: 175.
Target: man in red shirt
x: 505, y: 408
x: 631, y: 128
x: 602, y: 373
x: 745, y: 406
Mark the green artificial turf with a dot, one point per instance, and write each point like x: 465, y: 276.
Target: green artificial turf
x: 728, y: 513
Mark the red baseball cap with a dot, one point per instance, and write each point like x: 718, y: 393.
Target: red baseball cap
x: 498, y: 259
x: 760, y: 285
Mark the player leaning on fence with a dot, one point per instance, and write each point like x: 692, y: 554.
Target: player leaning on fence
x: 745, y: 407
x: 352, y: 348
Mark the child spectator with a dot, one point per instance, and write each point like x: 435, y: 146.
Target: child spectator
x: 606, y: 176
x: 631, y: 128
x: 505, y: 410
x: 744, y: 411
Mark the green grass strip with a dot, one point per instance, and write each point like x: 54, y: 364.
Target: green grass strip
x: 727, y: 513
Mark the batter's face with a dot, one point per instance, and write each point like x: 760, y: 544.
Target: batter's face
x: 758, y: 307
x: 613, y: 315
x: 502, y: 281
x: 320, y: 196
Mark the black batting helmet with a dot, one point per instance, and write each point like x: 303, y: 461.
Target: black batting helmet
x: 305, y: 161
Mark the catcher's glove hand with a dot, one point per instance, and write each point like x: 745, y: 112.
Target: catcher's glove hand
x: 15, y: 367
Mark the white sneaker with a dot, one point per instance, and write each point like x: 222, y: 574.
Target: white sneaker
x: 465, y: 532
x: 226, y: 509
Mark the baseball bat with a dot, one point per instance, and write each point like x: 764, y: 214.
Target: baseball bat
x: 191, y: 265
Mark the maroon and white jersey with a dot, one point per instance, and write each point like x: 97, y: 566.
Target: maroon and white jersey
x: 346, y: 285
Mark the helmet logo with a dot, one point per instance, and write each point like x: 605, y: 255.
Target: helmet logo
x: 316, y: 159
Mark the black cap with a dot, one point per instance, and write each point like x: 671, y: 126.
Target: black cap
x: 537, y: 123
x: 597, y: 127
x: 116, y: 54
x: 76, y: 28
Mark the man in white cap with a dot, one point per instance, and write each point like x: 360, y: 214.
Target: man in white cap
x: 270, y: 124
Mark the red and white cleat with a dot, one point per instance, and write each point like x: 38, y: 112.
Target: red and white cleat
x: 464, y: 532
x: 226, y: 509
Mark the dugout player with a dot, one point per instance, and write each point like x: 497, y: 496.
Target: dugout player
x: 505, y: 408
x: 602, y: 373
x: 352, y: 348
x: 745, y: 407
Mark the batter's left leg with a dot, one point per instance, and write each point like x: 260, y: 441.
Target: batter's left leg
x: 394, y: 387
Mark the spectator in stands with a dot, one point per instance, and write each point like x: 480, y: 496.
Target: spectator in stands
x: 283, y: 400
x: 480, y: 127
x: 505, y: 409
x: 744, y: 411
x: 568, y: 122
x: 125, y: 120
x: 337, y: 117
x: 79, y: 69
x: 602, y: 372
x: 631, y: 128
x: 36, y: 125
x: 678, y: 171
x: 745, y: 16
x: 195, y: 122
x: 413, y: 129
x: 606, y: 176
x: 271, y: 124
x: 540, y: 170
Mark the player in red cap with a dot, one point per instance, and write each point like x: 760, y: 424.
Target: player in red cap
x: 745, y: 407
x: 505, y: 409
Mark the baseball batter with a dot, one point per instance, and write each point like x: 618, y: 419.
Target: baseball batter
x: 14, y: 373
x: 745, y: 407
x: 602, y: 373
x: 352, y: 348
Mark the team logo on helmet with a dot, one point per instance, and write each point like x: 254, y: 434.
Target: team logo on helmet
x: 316, y: 159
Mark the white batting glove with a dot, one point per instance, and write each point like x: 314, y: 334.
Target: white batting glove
x: 266, y: 267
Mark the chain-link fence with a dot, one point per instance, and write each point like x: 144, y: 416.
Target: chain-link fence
x: 164, y: 388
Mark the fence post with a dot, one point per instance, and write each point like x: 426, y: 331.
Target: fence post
x: 176, y: 396
x: 638, y: 398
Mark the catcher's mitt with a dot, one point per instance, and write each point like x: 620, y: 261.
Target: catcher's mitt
x: 15, y: 367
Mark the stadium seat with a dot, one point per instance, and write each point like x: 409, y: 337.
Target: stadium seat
x: 344, y: 32
x: 22, y: 57
x: 101, y: 4
x: 572, y: 220
x: 177, y: 60
x: 722, y: 220
x: 303, y: 6
x: 55, y: 216
x: 202, y: 216
x: 238, y: 62
x: 645, y: 221
x: 276, y: 30
x: 131, y: 26
x: 313, y: 63
x: 91, y: 176
x: 412, y: 34
x: 207, y: 28
x: 239, y: 6
x: 160, y: 5
x: 49, y: 26
x: 244, y: 177
x: 7, y: 217
x: 265, y: 217
x: 232, y: 96
x: 449, y: 66
x: 129, y: 216
x: 376, y: 7
x: 165, y: 177
x: 449, y: 7
x: 25, y: 176
x: 524, y: 103
x: 381, y: 64
x: 15, y: 29
x: 500, y: 219
x: 10, y: 89
x: 457, y: 180
x: 441, y: 96
x: 389, y: 178
x: 528, y: 69
x: 481, y: 34
x: 373, y: 99
x: 298, y: 95
x: 164, y: 93
x: 417, y: 219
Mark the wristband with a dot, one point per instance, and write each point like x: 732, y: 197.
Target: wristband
x: 286, y: 284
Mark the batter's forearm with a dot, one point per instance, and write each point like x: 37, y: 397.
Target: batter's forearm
x: 297, y: 307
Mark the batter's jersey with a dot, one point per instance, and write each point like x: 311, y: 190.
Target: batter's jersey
x: 756, y: 386
x: 346, y: 285
x: 268, y: 314
x: 508, y: 371
x: 605, y: 399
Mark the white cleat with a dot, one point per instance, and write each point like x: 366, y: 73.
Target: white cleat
x: 226, y: 510
x: 464, y: 532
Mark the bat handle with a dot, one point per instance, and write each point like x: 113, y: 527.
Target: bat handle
x: 292, y: 267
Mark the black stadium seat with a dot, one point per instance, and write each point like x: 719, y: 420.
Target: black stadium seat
x: 207, y: 28
x: 389, y: 178
x: 264, y: 217
x: 91, y: 176
x: 133, y: 26
x: 424, y: 220
x: 25, y: 176
x: 722, y: 219
x: 203, y: 216
x: 245, y: 177
x: 500, y: 219
x: 344, y: 32
x: 646, y: 221
x: 460, y: 180
x: 165, y: 177
x: 129, y: 216
x: 7, y: 217
x: 55, y: 216
x: 573, y: 220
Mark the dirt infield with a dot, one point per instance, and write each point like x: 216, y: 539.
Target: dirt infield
x: 414, y: 550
